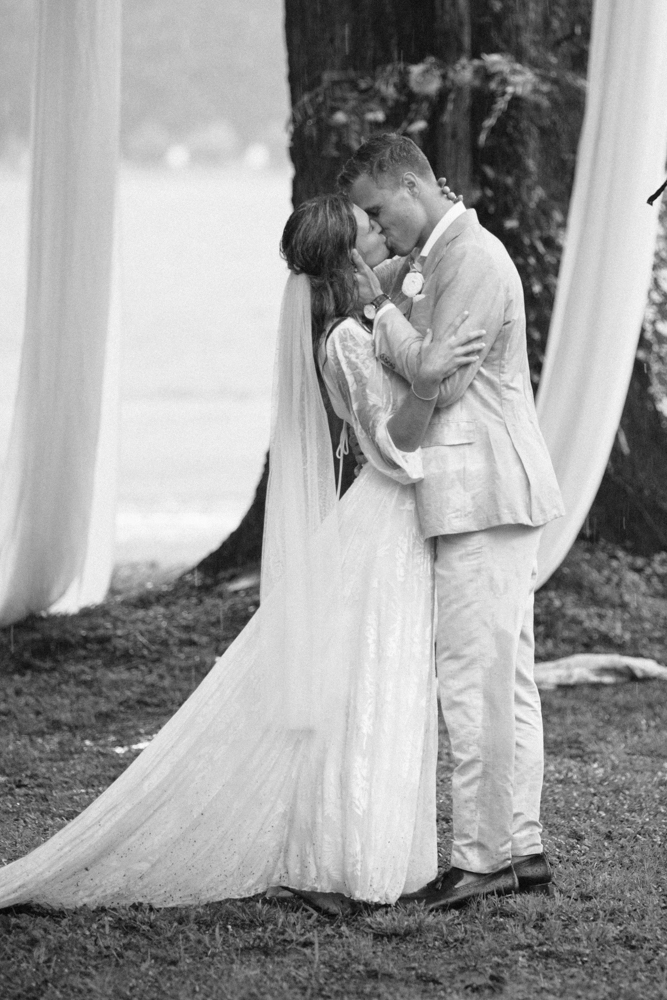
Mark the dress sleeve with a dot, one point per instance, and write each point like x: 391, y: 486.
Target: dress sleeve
x: 370, y: 395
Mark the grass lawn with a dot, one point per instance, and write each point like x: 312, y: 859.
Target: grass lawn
x: 74, y: 688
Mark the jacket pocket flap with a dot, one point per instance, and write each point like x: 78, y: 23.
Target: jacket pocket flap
x: 456, y: 432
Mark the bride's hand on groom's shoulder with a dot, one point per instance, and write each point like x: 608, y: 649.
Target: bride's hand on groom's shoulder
x: 447, y: 191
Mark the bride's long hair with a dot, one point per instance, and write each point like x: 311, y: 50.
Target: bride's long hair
x: 317, y: 241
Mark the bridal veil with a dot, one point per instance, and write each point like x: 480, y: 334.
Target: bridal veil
x: 240, y: 737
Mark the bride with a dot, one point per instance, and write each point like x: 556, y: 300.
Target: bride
x: 306, y: 758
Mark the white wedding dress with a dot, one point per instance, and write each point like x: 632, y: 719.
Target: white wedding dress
x: 264, y: 778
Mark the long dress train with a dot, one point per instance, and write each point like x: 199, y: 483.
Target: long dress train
x: 244, y: 788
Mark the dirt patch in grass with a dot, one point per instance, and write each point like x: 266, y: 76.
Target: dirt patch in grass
x: 74, y: 689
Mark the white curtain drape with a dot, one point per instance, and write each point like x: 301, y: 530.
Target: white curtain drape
x: 606, y: 266
x: 57, y: 487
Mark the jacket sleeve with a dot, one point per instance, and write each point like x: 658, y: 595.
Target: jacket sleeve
x: 387, y: 272
x: 397, y: 343
x: 466, y: 278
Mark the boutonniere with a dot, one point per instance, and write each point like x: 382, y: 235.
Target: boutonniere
x: 413, y: 283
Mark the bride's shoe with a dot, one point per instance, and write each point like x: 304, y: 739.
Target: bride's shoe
x: 330, y: 904
x: 278, y: 892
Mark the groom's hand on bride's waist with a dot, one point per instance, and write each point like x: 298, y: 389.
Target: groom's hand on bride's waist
x: 359, y: 456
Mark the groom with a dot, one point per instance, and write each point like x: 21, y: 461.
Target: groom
x: 488, y: 489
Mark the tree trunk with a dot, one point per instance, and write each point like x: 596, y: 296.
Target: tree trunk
x: 324, y: 39
x: 519, y: 163
x: 331, y: 38
x: 453, y: 135
x: 244, y: 546
x: 631, y: 505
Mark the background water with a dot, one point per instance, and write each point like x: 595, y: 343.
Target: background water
x: 200, y: 288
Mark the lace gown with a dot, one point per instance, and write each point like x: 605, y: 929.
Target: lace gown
x: 232, y: 796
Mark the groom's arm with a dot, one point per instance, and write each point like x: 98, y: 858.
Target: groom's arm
x: 397, y: 343
x: 387, y: 272
x: 465, y: 279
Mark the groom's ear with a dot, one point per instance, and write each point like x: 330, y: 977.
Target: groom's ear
x: 411, y: 183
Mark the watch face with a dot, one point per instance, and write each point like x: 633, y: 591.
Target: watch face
x: 369, y: 311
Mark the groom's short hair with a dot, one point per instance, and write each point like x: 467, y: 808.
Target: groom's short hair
x: 385, y: 154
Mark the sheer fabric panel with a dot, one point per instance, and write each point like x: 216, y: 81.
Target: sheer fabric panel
x: 48, y: 483
x: 606, y: 267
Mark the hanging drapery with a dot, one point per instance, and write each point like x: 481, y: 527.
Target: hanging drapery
x: 91, y: 583
x: 606, y: 267
x: 53, y: 469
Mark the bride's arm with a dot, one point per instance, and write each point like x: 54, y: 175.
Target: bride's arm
x: 362, y: 394
x: 399, y: 345
x: 408, y: 423
x: 388, y: 419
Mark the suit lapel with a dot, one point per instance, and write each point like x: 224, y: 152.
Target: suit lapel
x: 458, y: 226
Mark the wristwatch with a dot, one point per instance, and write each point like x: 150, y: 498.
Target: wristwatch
x: 371, y: 308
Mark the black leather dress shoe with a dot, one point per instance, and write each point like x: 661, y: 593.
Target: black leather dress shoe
x: 420, y: 895
x: 534, y: 875
x: 449, y: 892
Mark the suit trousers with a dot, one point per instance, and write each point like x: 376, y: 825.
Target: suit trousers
x: 485, y: 583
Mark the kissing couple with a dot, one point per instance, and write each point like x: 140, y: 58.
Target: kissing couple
x: 305, y: 761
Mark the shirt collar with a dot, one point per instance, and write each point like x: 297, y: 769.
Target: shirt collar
x: 457, y: 209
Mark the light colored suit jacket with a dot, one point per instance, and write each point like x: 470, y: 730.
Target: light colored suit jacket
x: 485, y: 460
